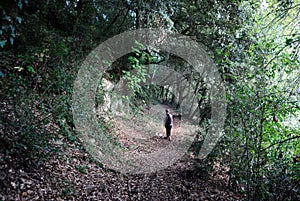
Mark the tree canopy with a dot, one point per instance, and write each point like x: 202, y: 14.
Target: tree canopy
x: 254, y: 44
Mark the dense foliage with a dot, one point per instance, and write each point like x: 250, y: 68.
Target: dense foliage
x: 255, y: 45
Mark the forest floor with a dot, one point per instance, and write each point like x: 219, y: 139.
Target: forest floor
x: 70, y: 173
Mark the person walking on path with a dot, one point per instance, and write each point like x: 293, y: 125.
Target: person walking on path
x: 168, y: 124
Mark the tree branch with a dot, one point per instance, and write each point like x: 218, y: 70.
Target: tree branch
x: 283, y: 141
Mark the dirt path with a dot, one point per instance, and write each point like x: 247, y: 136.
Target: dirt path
x: 145, y: 133
x: 70, y: 173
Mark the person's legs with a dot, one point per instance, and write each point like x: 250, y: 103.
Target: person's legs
x: 168, y: 131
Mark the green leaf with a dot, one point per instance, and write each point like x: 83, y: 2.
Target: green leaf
x: 136, y: 51
x: 2, y: 43
x: 4, y: 27
x: 19, y: 19
x: 30, y: 69
x: 11, y: 40
x: 7, y: 18
x: 289, y: 41
x: 20, y: 5
x: 218, y: 51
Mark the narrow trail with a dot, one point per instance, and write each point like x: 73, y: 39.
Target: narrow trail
x: 145, y: 133
x: 70, y: 173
